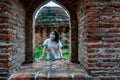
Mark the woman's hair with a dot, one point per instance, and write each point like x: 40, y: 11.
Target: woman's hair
x: 57, y: 35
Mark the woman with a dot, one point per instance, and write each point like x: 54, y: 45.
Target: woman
x: 53, y: 46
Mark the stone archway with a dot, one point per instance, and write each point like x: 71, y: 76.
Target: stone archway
x: 30, y: 33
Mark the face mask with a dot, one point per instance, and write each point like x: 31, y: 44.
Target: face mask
x: 52, y: 36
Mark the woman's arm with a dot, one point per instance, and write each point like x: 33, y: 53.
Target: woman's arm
x: 44, y: 50
x: 60, y: 51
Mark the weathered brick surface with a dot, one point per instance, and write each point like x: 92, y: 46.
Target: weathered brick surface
x: 81, y: 23
x: 11, y: 37
x: 100, y: 34
x: 99, y: 37
x: 74, y: 38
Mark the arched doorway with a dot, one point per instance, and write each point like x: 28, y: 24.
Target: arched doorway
x: 31, y: 11
x: 50, y: 17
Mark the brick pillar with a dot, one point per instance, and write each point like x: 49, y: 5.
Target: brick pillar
x: 29, y: 38
x: 82, y: 51
x: 12, y: 39
x: 5, y: 40
x: 74, y: 38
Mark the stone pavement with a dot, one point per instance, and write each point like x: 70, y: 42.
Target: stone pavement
x: 49, y: 70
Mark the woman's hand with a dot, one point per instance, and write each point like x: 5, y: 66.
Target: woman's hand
x: 60, y: 51
x: 44, y: 50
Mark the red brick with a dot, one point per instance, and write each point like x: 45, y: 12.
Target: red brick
x: 99, y: 74
x: 93, y: 4
x: 98, y: 69
x: 4, y: 65
x: 92, y: 55
x: 116, y: 35
x: 97, y: 30
x: 115, y: 73
x: 5, y: 37
x: 4, y: 26
x: 115, y: 60
x: 107, y: 78
x: 10, y: 2
x: 92, y: 20
x: 105, y: 65
x: 90, y: 4
x: 5, y: 46
x: 117, y: 14
x: 3, y: 78
x: 110, y: 50
x: 108, y: 9
x: 98, y: 46
x: 112, y: 40
x: 108, y: 4
x: 118, y: 9
x: 112, y: 35
x: 115, y: 4
x: 6, y: 32
x: 93, y: 25
x: 89, y: 69
x: 105, y: 35
x: 7, y: 21
x: 4, y: 70
x: 93, y: 15
x: 5, y: 51
x: 93, y: 40
x: 93, y: 10
x: 4, y: 16
x: 106, y: 60
x: 109, y: 56
x: 91, y: 65
x: 5, y: 6
x: 111, y: 20
x: 4, y: 56
x: 91, y: 60
x: 106, y: 56
x: 92, y: 51
x: 117, y: 45
x: 114, y: 30
x: 100, y: 56
x: 4, y: 60
x: 94, y: 36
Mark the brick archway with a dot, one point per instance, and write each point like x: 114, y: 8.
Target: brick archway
x: 30, y: 32
x: 99, y: 35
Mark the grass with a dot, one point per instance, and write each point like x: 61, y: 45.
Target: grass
x: 65, y: 52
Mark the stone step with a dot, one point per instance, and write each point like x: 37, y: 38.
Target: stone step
x: 49, y: 70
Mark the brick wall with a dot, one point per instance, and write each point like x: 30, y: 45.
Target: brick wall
x: 99, y: 30
x: 12, y: 37
x: 81, y: 24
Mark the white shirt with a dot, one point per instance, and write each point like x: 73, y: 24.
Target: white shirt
x: 52, y: 49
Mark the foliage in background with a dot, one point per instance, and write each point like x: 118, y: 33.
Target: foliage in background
x: 66, y: 51
x: 38, y: 51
